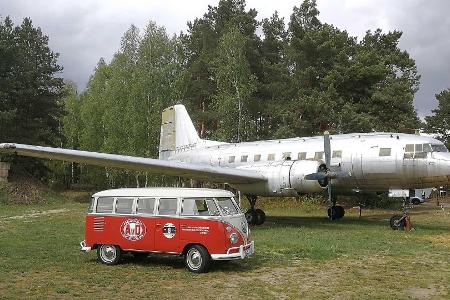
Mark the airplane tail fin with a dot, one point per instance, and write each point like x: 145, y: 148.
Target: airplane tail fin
x: 177, y: 130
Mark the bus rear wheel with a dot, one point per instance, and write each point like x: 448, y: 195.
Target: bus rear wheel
x: 197, y: 259
x: 109, y: 254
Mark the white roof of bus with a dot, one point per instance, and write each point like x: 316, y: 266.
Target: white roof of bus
x: 164, y: 192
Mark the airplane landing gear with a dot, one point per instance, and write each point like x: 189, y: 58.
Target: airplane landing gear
x: 401, y: 222
x: 254, y: 216
x: 336, y: 212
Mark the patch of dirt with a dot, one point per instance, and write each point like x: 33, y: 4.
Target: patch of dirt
x: 422, y: 293
x: 37, y: 214
x: 23, y: 191
x: 441, y: 240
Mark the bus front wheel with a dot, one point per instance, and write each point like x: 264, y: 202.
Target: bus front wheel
x: 197, y: 259
x: 109, y: 254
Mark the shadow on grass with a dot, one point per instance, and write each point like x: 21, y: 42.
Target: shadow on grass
x: 323, y: 222
x: 175, y: 262
x: 371, y: 221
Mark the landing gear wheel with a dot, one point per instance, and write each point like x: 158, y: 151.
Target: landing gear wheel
x: 340, y: 211
x: 336, y: 212
x: 397, y: 222
x: 109, y: 254
x: 260, y: 216
x: 251, y: 216
x: 197, y: 259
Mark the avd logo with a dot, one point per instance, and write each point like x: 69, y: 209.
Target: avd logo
x: 133, y: 230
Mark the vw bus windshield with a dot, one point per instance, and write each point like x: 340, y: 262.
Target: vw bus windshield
x: 227, y: 206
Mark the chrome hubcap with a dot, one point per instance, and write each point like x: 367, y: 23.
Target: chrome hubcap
x: 194, y: 259
x: 108, y: 253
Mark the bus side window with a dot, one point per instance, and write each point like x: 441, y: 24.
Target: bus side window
x: 145, y: 206
x: 167, y: 206
x: 194, y: 207
x: 105, y: 205
x: 91, y: 206
x: 124, y: 205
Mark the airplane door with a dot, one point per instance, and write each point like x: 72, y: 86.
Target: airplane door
x: 356, y: 159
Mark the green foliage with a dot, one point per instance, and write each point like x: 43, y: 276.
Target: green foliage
x: 235, y: 84
x: 439, y: 122
x: 29, y: 87
x: 30, y: 91
x: 120, y: 109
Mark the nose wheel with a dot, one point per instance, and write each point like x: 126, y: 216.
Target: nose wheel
x: 402, y: 222
x: 254, y: 216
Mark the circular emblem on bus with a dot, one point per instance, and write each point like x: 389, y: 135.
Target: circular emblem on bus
x: 169, y: 230
x: 133, y: 230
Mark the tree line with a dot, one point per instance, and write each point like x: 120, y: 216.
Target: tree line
x: 241, y: 79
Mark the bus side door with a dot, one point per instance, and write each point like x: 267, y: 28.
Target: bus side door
x: 167, y: 226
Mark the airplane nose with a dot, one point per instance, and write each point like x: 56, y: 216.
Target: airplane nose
x: 443, y: 163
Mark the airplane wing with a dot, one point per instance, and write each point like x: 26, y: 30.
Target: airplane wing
x: 165, y: 167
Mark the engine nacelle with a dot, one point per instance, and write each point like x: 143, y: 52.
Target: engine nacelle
x: 284, y: 178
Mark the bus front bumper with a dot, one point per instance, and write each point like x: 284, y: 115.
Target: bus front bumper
x: 244, y: 251
x: 84, y: 248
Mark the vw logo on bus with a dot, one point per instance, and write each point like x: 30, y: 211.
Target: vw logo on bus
x: 133, y: 230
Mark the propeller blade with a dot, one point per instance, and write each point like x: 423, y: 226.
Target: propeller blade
x: 327, y: 148
x: 327, y: 151
x: 329, y: 190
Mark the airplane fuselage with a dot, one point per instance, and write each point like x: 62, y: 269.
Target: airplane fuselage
x: 375, y: 162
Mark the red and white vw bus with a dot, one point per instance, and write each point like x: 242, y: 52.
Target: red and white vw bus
x: 198, y: 224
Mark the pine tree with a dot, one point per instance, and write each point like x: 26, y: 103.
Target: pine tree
x: 439, y: 121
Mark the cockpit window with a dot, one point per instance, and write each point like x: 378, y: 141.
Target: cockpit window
x: 421, y: 150
x: 439, y: 148
x: 427, y: 148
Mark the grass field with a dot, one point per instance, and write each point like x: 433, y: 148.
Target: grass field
x: 299, y: 254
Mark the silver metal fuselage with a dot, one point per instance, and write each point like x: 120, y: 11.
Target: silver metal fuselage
x: 356, y: 154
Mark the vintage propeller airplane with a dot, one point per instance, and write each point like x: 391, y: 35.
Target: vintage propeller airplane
x: 355, y: 163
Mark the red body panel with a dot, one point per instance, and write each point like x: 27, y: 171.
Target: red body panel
x: 158, y: 233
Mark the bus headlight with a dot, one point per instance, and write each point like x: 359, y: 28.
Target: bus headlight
x: 234, y: 238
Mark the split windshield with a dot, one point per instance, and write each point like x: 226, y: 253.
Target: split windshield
x: 227, y: 206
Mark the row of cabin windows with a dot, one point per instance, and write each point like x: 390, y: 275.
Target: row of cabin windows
x: 411, y: 151
x: 167, y: 206
x: 285, y: 156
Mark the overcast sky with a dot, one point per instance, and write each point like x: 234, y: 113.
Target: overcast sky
x: 83, y: 31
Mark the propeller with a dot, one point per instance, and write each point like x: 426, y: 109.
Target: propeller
x: 325, y: 174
